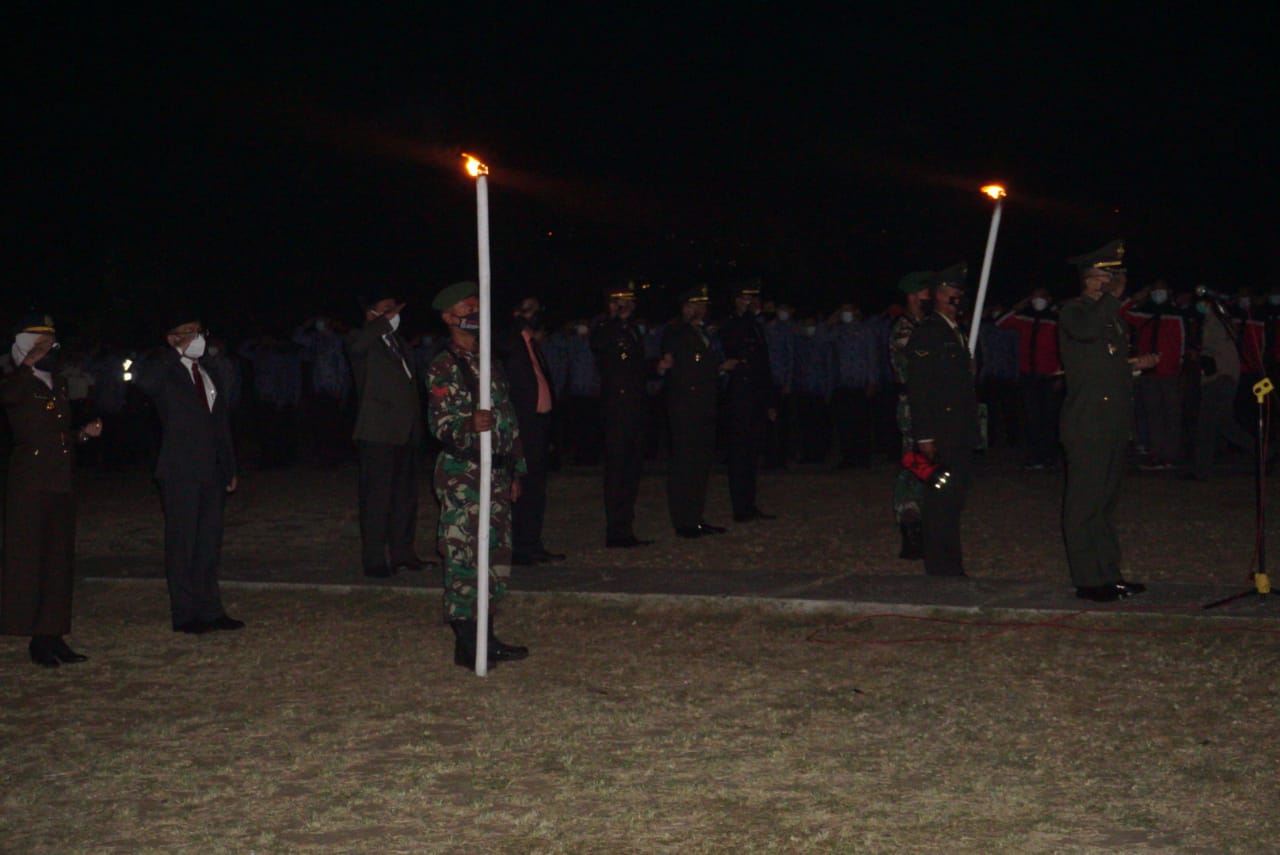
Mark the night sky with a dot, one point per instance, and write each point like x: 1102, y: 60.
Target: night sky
x: 268, y: 166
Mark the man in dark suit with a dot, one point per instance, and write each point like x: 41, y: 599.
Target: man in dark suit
x: 749, y: 399
x: 529, y: 380
x: 944, y: 418
x: 196, y: 470
x: 388, y: 432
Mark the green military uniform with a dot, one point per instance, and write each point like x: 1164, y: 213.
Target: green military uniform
x: 691, y: 407
x: 944, y: 409
x: 1097, y: 419
x: 39, y: 526
x: 453, y: 385
x: 908, y: 490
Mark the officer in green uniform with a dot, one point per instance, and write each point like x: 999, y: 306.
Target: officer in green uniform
x: 944, y: 419
x: 692, y: 374
x: 908, y: 490
x: 39, y: 519
x: 453, y: 384
x: 1097, y: 420
x: 618, y: 347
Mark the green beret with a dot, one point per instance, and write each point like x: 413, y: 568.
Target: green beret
x: 1109, y: 258
x: 453, y: 295
x: 955, y: 275
x: 917, y: 281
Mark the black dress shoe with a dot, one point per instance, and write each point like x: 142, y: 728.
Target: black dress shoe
x: 1099, y: 593
x: 500, y: 652
x: 65, y: 654
x: 707, y: 528
x: 379, y: 572
x: 1130, y: 589
x: 690, y: 531
x: 413, y: 564
x: 193, y: 627
x: 753, y: 514
x: 42, y: 652
x: 625, y: 542
x: 225, y: 623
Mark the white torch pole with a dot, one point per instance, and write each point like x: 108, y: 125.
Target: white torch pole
x: 486, y: 438
x: 997, y: 193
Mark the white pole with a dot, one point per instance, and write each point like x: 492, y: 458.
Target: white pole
x: 982, y: 280
x: 486, y: 438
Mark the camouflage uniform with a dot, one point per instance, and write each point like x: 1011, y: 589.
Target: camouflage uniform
x: 908, y: 490
x: 453, y: 383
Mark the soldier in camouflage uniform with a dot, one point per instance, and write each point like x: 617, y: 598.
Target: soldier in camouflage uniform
x: 908, y: 491
x: 453, y: 387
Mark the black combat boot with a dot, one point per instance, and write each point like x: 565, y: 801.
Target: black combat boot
x: 499, y: 652
x: 464, y: 646
x: 912, y: 537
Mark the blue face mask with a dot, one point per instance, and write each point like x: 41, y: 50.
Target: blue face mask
x: 1202, y: 308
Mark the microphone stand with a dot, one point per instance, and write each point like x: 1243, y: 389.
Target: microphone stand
x: 1261, y: 389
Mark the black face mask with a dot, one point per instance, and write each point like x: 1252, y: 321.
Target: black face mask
x: 49, y: 362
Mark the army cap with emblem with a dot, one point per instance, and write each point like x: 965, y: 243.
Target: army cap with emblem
x: 625, y: 291
x: 955, y: 275
x: 452, y: 295
x: 1109, y: 259
x: 38, y: 323
x: 701, y: 294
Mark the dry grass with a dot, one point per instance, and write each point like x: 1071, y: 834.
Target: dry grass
x: 338, y: 723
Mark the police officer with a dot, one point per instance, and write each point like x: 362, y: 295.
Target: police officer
x: 39, y: 525
x: 692, y: 371
x: 1097, y: 419
x: 624, y: 407
x: 748, y: 399
x: 453, y: 381
x: 944, y: 419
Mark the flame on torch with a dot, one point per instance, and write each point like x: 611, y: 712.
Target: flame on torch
x: 995, y: 191
x: 474, y: 167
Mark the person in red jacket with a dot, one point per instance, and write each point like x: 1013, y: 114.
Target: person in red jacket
x: 1157, y: 327
x: 1035, y: 320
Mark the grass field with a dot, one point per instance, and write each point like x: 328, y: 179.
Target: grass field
x: 337, y: 723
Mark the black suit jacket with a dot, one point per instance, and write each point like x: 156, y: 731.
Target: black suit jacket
x: 196, y: 444
x: 389, y: 411
x: 522, y: 381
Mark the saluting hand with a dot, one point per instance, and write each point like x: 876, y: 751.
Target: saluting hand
x: 1145, y: 361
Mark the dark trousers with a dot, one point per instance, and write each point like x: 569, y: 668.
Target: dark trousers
x: 746, y: 408
x: 625, y: 427
x: 581, y: 414
x: 1041, y: 410
x: 814, y: 419
x: 693, y: 446
x: 1000, y: 394
x: 388, y: 502
x: 851, y: 412
x: 1094, y: 470
x: 940, y: 535
x: 1158, y: 401
x: 1217, y: 418
x: 193, y: 547
x: 39, y: 550
x: 527, y: 514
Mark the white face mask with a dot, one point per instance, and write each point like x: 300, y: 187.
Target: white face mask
x: 582, y: 329
x: 395, y: 322
x: 195, y: 349
x: 1159, y: 296
x: 846, y: 317
x: 1039, y: 303
x: 784, y: 316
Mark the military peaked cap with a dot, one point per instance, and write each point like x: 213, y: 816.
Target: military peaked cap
x: 454, y: 294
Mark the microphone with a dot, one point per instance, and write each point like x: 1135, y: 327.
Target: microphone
x: 1207, y: 292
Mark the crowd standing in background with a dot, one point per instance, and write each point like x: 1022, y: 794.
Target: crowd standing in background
x: 759, y: 381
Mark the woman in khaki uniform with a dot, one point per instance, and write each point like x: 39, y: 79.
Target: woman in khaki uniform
x: 39, y: 529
